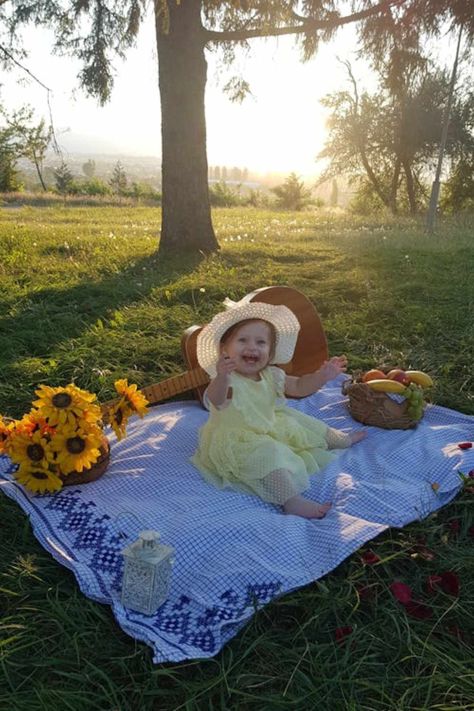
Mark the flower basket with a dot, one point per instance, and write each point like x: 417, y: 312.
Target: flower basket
x: 93, y: 472
x: 61, y: 442
x: 377, y: 408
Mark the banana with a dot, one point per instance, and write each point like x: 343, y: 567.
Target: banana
x: 386, y: 385
x: 420, y: 378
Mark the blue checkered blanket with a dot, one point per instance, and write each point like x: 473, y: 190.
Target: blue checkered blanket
x: 235, y: 553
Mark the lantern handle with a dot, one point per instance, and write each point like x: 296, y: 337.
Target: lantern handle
x: 126, y: 513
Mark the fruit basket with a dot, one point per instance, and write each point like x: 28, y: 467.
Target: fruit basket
x: 392, y: 401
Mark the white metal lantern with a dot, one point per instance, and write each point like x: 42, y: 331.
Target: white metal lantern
x: 147, y: 573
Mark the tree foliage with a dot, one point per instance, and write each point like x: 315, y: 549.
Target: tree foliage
x: 389, y: 139
x: 21, y: 137
x: 97, y: 32
x: 100, y: 31
x: 9, y: 180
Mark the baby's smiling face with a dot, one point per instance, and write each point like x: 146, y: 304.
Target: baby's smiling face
x: 250, y: 345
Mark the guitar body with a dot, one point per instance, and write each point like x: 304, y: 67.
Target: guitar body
x: 310, y: 352
x: 311, y: 347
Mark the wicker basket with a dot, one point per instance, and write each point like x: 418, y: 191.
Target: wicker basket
x: 94, y: 472
x: 376, y: 408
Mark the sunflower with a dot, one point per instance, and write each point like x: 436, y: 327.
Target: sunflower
x: 5, y: 431
x: 134, y: 399
x: 64, y: 406
x: 118, y: 417
x: 77, y: 449
x: 34, y: 421
x: 28, y: 423
x: 38, y: 479
x: 30, y: 450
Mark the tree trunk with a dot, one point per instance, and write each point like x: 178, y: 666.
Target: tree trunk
x: 373, y: 178
x: 186, y: 215
x: 394, y: 187
x: 410, y: 187
x: 38, y: 170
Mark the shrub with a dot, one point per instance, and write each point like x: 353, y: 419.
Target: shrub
x: 257, y: 198
x: 94, y: 186
x: 221, y: 195
x: 292, y: 194
x: 143, y: 191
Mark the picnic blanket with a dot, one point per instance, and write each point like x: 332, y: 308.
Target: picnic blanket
x: 235, y: 553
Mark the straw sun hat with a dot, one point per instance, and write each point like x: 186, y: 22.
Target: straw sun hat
x: 284, y: 321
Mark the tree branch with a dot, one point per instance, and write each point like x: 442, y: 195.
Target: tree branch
x: 38, y: 81
x: 308, y: 25
x: 23, y: 68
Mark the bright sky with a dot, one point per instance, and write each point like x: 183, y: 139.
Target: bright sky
x: 280, y: 127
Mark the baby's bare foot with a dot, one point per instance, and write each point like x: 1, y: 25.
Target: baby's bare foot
x: 357, y: 436
x: 298, y: 506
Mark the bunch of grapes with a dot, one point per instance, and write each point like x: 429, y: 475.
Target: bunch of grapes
x: 414, y: 396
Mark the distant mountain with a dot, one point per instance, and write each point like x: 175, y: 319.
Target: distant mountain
x: 88, y: 145
x: 71, y: 142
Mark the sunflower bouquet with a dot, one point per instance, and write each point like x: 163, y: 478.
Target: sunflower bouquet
x: 62, y: 436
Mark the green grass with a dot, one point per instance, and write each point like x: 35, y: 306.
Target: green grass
x: 85, y: 298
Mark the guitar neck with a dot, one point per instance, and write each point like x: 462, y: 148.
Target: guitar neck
x: 175, y: 385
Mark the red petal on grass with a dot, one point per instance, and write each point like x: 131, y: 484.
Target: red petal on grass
x: 469, y: 489
x: 342, y: 633
x: 471, y: 532
x: 465, y: 445
x: 401, y: 592
x: 369, y: 558
x: 450, y: 583
x: 432, y: 582
x: 418, y: 610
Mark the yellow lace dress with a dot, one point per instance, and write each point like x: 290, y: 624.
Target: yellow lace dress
x: 258, y: 444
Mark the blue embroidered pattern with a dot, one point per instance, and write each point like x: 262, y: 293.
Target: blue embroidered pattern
x: 90, y: 534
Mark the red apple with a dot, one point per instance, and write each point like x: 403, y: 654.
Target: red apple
x: 399, y: 375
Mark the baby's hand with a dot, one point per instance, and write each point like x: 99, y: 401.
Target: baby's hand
x: 333, y: 367
x: 225, y: 365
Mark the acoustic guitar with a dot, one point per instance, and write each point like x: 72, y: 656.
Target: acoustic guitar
x: 310, y: 352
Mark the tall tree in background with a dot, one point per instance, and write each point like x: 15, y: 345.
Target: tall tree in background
x: 26, y: 139
x: 118, y: 181
x: 36, y: 141
x: 88, y: 168
x: 384, y: 140
x: 64, y: 178
x: 388, y: 140
x: 95, y: 31
x: 9, y: 181
x: 458, y: 190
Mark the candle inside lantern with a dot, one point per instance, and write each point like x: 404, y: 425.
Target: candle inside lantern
x: 147, y: 573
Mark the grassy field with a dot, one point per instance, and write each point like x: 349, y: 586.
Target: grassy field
x: 85, y: 298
